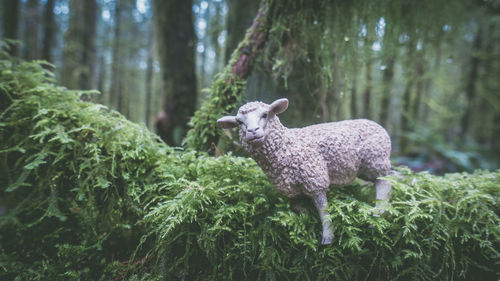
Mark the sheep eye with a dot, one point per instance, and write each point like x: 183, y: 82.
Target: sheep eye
x: 264, y: 115
x: 239, y: 122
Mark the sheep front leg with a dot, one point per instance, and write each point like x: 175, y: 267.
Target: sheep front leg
x: 320, y: 202
x: 382, y: 189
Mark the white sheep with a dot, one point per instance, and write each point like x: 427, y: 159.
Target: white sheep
x: 306, y: 161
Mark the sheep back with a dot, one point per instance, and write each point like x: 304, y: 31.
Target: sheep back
x: 308, y: 160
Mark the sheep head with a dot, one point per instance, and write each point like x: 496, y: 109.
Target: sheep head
x: 253, y: 120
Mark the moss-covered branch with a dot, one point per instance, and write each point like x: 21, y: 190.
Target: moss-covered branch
x: 228, y: 86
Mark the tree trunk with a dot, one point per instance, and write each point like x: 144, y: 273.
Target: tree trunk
x: 323, y: 104
x: 354, y: 97
x: 90, y: 10
x: 11, y: 9
x: 176, y: 42
x: 48, y: 30
x: 420, y: 69
x: 79, y: 45
x: 114, y: 92
x: 367, y: 92
x: 368, y: 88
x: 407, y: 94
x: 470, y: 86
x: 240, y: 16
x: 149, y: 78
x: 387, y: 82
x: 227, y: 90
x: 101, y: 77
x: 72, y: 46
x: 31, y: 28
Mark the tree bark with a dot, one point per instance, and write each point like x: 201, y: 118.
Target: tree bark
x: 470, y: 86
x: 420, y: 69
x: 387, y: 80
x: 90, y: 10
x: 407, y: 94
x: 11, y: 9
x: 354, y: 95
x: 115, y: 91
x: 241, y: 14
x: 48, y: 30
x: 368, y: 88
x: 79, y: 45
x: 101, y: 77
x: 149, y: 78
x: 31, y: 30
x: 72, y: 46
x: 176, y: 43
x: 367, y: 92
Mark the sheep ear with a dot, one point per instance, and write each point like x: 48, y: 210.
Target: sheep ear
x: 278, y: 106
x: 227, y: 122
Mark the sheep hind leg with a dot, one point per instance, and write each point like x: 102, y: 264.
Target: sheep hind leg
x: 382, y: 189
x: 320, y: 201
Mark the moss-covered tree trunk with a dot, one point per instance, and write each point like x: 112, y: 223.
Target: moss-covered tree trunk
x: 229, y: 86
x: 239, y: 17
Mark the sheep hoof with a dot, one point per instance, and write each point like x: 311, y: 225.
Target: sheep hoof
x: 327, y: 240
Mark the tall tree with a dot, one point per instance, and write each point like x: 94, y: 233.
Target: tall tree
x: 354, y: 92
x: 176, y: 40
x: 90, y: 11
x: 78, y: 53
x: 240, y: 16
x: 11, y: 9
x: 367, y: 92
x: 388, y: 62
x: 407, y: 94
x: 115, y: 91
x: 471, y: 81
x: 387, y: 89
x: 49, y: 28
x: 149, y: 77
x: 420, y: 70
x: 31, y: 28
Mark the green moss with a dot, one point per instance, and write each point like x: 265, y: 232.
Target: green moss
x: 89, y: 195
x: 227, y: 89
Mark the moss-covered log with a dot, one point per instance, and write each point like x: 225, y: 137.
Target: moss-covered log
x: 87, y: 195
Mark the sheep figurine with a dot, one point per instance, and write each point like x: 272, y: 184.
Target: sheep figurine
x: 306, y: 161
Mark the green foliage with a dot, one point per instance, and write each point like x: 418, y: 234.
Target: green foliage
x: 437, y: 228
x: 74, y: 179
x: 89, y: 195
x: 225, y: 93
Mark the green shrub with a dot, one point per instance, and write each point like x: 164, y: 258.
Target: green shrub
x: 89, y: 195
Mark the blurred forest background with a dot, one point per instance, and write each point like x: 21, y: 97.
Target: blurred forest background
x: 428, y: 71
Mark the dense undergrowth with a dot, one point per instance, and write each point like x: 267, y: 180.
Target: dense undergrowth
x: 88, y: 195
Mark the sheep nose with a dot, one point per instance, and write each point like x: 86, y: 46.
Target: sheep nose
x: 253, y: 130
